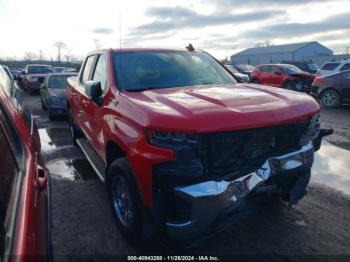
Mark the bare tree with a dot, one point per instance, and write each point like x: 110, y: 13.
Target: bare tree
x: 29, y: 56
x: 60, y: 46
x: 68, y: 55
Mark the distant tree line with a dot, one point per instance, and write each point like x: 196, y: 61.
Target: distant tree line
x: 64, y: 57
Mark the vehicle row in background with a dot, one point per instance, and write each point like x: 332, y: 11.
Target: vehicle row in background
x: 284, y: 76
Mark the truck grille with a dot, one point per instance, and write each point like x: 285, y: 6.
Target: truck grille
x: 230, y: 154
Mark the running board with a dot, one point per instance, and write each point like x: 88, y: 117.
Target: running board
x: 95, y: 161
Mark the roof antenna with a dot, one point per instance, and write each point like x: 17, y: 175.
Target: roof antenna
x: 190, y: 47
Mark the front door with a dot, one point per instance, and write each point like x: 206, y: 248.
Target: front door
x: 94, y: 109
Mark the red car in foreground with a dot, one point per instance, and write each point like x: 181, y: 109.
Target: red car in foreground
x: 25, y: 219
x: 284, y: 76
x: 181, y: 146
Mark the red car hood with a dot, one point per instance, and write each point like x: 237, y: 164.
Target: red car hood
x: 217, y: 108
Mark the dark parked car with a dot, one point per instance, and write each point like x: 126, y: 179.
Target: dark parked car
x: 244, y: 69
x: 284, y: 76
x: 332, y: 90
x: 25, y: 229
x: 240, y: 76
x: 32, y: 77
x: 53, y: 94
x: 304, y: 66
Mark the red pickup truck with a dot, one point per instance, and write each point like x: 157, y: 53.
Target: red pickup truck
x: 181, y: 146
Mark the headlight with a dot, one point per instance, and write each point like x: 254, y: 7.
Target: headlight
x: 171, y: 139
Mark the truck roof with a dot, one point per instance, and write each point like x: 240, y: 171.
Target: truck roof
x: 126, y: 50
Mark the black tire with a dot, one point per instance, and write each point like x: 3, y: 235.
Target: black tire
x: 74, y: 131
x: 330, y: 98
x: 135, y: 224
x: 254, y: 81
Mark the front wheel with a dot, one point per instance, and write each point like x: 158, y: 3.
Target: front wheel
x: 130, y: 215
x: 75, y: 133
x: 330, y: 98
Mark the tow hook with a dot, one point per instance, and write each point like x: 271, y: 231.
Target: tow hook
x: 323, y: 132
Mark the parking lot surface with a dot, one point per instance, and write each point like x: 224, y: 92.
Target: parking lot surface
x: 83, y: 225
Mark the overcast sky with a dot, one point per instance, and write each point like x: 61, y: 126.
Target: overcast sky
x: 221, y: 27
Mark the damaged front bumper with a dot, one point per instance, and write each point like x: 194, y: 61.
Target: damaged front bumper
x: 214, y: 201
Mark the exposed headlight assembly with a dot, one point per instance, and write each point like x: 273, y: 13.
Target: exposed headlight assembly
x: 171, y: 139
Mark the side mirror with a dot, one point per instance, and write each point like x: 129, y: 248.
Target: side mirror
x: 93, y: 89
x: 278, y: 73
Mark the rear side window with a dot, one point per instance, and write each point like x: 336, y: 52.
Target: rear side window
x: 100, y: 73
x: 345, y: 67
x: 330, y: 66
x: 87, y: 69
x: 7, y: 176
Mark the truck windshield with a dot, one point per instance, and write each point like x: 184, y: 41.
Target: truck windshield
x: 137, y: 71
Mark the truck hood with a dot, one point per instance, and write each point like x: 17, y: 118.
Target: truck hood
x: 217, y: 107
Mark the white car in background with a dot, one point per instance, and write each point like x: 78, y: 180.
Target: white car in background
x: 334, y: 67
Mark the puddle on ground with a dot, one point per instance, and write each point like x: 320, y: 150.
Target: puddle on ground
x: 332, y: 167
x: 52, y: 138
x: 77, y: 169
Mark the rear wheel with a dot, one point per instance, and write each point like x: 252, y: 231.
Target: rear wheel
x: 330, y: 98
x: 131, y: 217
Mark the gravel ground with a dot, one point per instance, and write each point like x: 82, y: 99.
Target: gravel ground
x: 317, y: 228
